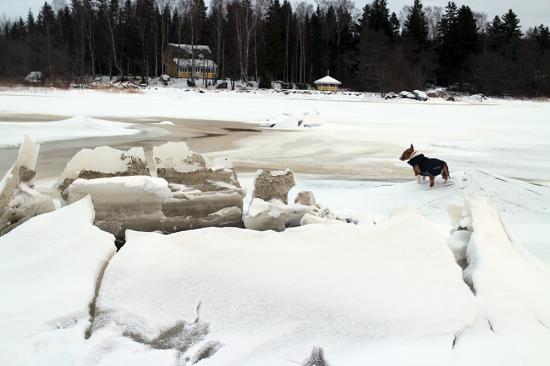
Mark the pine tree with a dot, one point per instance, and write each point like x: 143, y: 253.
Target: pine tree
x: 542, y: 36
x: 275, y: 41
x: 415, y: 26
x: 319, y: 50
x: 510, y: 26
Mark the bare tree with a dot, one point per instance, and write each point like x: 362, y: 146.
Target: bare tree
x: 110, y: 20
x: 217, y: 19
x: 247, y: 13
x: 433, y: 16
x: 481, y: 21
x: 165, y: 7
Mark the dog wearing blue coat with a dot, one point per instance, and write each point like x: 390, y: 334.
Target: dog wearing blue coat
x: 425, y: 167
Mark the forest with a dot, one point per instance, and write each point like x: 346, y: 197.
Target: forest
x: 368, y: 49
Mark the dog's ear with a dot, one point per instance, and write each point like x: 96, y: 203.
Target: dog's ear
x: 412, y: 147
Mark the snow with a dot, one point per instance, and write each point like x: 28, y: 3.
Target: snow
x: 49, y: 268
x: 512, y: 287
x: 407, y: 94
x: 270, y: 297
x: 121, y: 186
x: 361, y: 135
x: 524, y: 207
x: 289, y: 121
x: 103, y: 159
x: 387, y: 291
x: 327, y: 80
x: 12, y: 133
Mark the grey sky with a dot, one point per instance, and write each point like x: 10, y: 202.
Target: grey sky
x: 530, y: 12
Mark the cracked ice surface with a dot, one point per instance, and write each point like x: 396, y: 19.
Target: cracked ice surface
x: 513, y: 289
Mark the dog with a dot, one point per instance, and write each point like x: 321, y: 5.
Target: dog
x: 425, y: 167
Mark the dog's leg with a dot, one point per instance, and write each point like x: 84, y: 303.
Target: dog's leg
x: 445, y: 173
x: 423, y: 178
x: 416, y: 170
x: 432, y: 181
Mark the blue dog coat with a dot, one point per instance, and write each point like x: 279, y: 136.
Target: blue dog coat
x: 427, y: 166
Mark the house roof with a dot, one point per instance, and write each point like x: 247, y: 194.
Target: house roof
x: 327, y: 80
x: 186, y: 50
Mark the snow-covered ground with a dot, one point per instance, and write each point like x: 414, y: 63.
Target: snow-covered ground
x: 387, y: 294
x: 68, y: 129
x: 388, y: 291
x: 361, y: 135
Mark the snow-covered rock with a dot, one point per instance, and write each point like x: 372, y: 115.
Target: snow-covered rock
x: 407, y: 95
x: 361, y: 294
x: 273, y: 185
x: 391, y: 95
x: 420, y: 95
x: 50, y: 268
x: 474, y: 98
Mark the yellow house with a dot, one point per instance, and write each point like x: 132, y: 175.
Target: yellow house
x: 185, y: 61
x: 327, y: 83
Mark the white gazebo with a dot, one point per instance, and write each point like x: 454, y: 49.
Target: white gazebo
x: 327, y: 83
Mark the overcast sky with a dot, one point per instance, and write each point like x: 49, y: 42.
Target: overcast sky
x: 530, y: 12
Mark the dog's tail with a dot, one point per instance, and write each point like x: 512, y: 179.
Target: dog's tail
x: 445, y: 172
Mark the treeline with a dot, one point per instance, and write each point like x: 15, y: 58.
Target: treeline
x: 370, y: 49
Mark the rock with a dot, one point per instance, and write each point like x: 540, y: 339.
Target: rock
x: 420, y: 95
x: 18, y: 200
x: 475, y: 98
x: 305, y: 198
x: 391, y: 95
x: 266, y: 215
x: 407, y: 95
x: 276, y: 185
x: 438, y: 93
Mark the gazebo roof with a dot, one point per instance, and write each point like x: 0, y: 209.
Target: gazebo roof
x: 327, y: 80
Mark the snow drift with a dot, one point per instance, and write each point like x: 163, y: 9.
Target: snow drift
x: 12, y: 133
x: 49, y: 269
x: 270, y: 297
